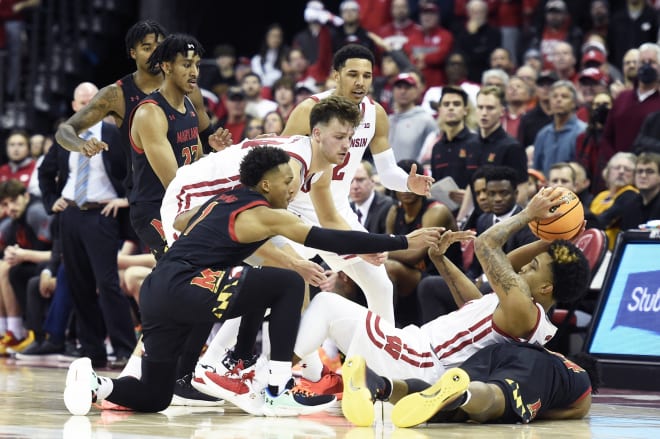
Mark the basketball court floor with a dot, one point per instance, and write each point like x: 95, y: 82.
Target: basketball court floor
x: 31, y: 407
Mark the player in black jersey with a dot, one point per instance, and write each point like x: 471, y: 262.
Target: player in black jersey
x: 200, y: 280
x: 163, y: 134
x: 504, y: 383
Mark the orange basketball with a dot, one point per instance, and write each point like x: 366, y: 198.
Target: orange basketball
x: 566, y: 226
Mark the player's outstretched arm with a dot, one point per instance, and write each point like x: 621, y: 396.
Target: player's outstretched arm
x: 462, y: 287
x: 109, y: 101
x: 263, y: 222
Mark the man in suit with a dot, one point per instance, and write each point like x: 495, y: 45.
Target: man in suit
x: 88, y: 195
x: 371, y: 207
x: 501, y: 182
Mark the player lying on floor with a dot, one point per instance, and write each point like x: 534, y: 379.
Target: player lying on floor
x: 527, y: 284
x: 506, y: 383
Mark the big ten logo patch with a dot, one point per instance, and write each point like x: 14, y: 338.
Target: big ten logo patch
x: 640, y: 303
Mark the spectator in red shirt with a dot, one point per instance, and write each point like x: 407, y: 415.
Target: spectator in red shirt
x: 557, y: 29
x: 21, y: 164
x: 430, y: 48
x: 397, y: 33
x: 374, y: 14
x: 590, y: 83
x: 236, y: 118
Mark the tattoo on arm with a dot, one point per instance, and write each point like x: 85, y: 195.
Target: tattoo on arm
x: 498, y: 269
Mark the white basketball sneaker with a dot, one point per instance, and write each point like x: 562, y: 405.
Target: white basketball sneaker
x: 81, y: 387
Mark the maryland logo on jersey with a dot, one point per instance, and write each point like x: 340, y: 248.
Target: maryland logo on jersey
x: 220, y: 283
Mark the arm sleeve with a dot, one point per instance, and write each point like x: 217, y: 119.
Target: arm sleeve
x: 204, y: 138
x: 344, y: 242
x: 391, y: 175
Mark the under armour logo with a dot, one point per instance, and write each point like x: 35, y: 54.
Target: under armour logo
x: 191, y: 46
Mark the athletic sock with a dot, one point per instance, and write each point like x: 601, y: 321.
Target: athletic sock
x: 105, y: 388
x: 330, y: 348
x: 3, y: 325
x: 279, y: 375
x: 312, y: 367
x: 223, y: 340
x: 133, y: 367
x: 15, y: 325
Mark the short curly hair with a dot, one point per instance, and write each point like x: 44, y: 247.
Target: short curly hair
x: 351, y: 51
x: 258, y: 162
x: 570, y: 271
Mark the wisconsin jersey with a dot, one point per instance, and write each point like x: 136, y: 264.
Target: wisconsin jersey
x: 182, y: 133
x: 218, y: 172
x: 456, y: 336
x: 342, y: 174
x: 425, y: 352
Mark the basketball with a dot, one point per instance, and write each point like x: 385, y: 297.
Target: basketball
x: 566, y: 226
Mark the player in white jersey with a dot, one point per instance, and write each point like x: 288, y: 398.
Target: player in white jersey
x: 353, y: 73
x: 218, y: 172
x: 526, y: 285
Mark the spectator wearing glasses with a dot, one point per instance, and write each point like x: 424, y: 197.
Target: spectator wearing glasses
x: 647, y: 180
x: 620, y: 197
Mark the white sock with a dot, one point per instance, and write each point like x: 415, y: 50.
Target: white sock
x: 223, y: 340
x: 330, y: 348
x: 3, y: 325
x: 312, y: 367
x: 265, y: 339
x: 105, y: 388
x: 15, y: 325
x: 279, y: 374
x: 133, y: 367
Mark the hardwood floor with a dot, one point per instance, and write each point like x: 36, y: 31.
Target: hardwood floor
x: 31, y: 407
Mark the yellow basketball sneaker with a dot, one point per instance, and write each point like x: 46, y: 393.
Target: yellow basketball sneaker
x: 445, y: 394
x: 362, y: 387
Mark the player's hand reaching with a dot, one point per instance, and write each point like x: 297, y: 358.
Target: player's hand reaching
x: 540, y: 206
x: 310, y: 271
x: 448, y: 238
x: 221, y: 139
x: 93, y: 146
x: 425, y: 237
x: 418, y: 183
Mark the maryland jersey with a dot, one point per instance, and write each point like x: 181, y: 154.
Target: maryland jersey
x: 211, y: 240
x: 456, y: 336
x: 218, y: 172
x: 342, y: 174
x: 132, y: 97
x: 182, y: 133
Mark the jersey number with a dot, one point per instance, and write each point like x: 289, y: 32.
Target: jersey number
x: 337, y: 171
x: 203, y: 215
x: 189, y: 154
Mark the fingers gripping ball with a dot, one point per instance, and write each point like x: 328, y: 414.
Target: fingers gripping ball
x: 566, y: 226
